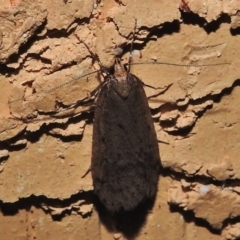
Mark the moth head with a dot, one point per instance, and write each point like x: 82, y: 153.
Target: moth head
x: 119, y: 71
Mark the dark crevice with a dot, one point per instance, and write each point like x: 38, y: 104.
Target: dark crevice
x: 226, y: 91
x: 120, y: 3
x: 31, y: 41
x: 33, y: 137
x: 11, y: 209
x: 190, y: 217
x: 45, y: 129
x: 235, y: 31
x: 15, y: 148
x: 38, y: 57
x: 195, y: 19
x: 6, y: 144
x: 155, y: 32
x: 216, y: 98
x: 8, y: 71
x: 170, y: 106
x: 64, y: 33
x: 231, y: 221
x: 72, y: 138
x: 22, y: 49
x: 215, y: 25
x: 183, y: 132
x: 201, y: 179
x: 3, y: 159
x: 191, y: 18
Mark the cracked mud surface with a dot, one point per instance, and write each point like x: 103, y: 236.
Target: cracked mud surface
x: 47, y: 112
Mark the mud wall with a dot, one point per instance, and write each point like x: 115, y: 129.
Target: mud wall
x: 45, y: 138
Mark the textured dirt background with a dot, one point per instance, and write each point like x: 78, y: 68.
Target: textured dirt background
x: 195, y: 109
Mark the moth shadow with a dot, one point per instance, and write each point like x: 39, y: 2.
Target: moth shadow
x: 128, y: 223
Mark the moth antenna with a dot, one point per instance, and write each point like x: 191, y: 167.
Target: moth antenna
x: 131, y: 47
x: 182, y: 65
x: 55, y: 88
x: 94, y: 56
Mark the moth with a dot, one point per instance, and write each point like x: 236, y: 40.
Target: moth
x: 125, y: 163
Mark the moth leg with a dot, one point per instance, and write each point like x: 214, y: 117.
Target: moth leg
x: 86, y: 173
x: 164, y: 89
x: 160, y: 141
